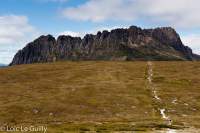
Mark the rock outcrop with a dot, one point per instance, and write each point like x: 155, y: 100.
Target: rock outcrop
x: 133, y: 43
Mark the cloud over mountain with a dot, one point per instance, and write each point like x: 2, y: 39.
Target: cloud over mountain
x: 178, y: 13
x: 15, y: 31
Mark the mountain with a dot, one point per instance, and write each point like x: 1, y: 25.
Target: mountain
x: 133, y: 43
x: 2, y: 65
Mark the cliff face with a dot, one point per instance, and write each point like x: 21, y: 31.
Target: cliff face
x: 133, y: 43
x: 41, y: 50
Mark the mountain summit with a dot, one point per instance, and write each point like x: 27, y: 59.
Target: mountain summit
x: 133, y: 43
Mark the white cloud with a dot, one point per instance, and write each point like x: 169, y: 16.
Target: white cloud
x: 178, y: 13
x: 71, y: 33
x: 15, y: 32
x: 14, y: 28
x: 193, y: 41
x: 100, y: 10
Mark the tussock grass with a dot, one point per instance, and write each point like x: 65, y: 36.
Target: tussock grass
x: 99, y: 96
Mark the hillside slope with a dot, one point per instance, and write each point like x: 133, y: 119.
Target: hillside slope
x: 100, y: 95
x: 133, y: 43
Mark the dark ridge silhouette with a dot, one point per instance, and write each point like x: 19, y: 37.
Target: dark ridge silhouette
x: 134, y: 43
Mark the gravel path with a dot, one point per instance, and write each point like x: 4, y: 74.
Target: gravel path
x: 155, y: 94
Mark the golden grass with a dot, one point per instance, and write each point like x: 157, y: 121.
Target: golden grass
x: 101, y: 96
x: 181, y: 81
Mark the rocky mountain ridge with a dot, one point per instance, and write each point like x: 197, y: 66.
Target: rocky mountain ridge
x: 133, y: 43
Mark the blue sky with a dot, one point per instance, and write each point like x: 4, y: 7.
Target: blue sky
x: 22, y: 21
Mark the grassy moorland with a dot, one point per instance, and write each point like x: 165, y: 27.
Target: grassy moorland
x: 178, y: 84
x: 100, y: 96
